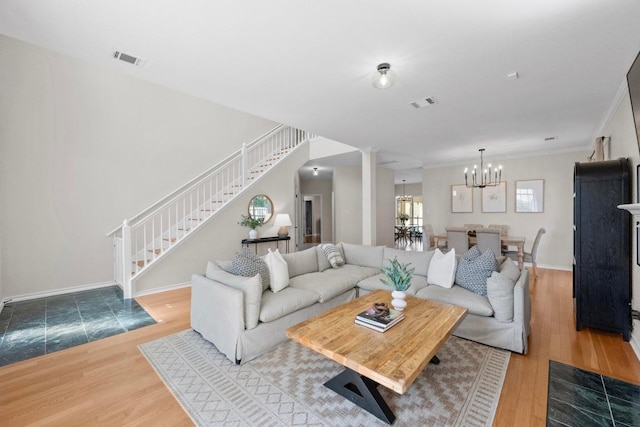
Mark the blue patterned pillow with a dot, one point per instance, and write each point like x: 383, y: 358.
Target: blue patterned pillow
x: 246, y: 263
x: 474, y: 269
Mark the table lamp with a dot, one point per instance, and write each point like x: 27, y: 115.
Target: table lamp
x: 283, y: 221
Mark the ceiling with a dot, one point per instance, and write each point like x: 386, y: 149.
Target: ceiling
x: 309, y: 65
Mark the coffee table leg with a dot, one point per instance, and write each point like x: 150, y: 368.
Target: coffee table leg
x: 363, y: 392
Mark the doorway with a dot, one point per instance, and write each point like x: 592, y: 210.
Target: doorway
x: 312, y: 218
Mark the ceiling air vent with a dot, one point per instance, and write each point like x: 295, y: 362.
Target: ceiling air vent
x: 423, y: 102
x: 128, y: 58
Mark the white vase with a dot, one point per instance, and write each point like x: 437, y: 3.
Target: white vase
x: 399, y: 302
x: 253, y: 234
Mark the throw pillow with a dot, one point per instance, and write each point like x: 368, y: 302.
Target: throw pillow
x: 333, y: 254
x: 278, y: 270
x: 510, y: 269
x: 473, y: 271
x: 500, y: 293
x: 246, y: 263
x: 442, y: 269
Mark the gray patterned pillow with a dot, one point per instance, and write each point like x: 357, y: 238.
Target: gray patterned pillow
x: 246, y: 263
x: 474, y: 269
x: 333, y: 254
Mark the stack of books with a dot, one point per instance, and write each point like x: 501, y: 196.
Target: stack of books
x: 380, y: 323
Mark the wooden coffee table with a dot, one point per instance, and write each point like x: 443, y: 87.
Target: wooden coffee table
x: 393, y: 358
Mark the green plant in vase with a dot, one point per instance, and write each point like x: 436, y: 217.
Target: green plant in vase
x: 403, y: 217
x: 398, y: 277
x: 252, y: 223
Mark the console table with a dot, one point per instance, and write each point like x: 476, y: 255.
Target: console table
x: 276, y: 239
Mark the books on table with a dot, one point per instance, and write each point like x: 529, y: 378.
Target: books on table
x: 377, y: 322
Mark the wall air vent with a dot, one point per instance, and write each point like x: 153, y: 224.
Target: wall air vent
x: 423, y: 102
x: 550, y: 138
x: 128, y: 58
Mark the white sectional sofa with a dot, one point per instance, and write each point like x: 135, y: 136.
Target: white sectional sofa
x: 245, y: 321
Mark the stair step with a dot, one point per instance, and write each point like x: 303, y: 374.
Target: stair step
x: 172, y: 239
x: 207, y: 210
x: 141, y: 263
x: 155, y: 251
x: 184, y: 229
x: 195, y: 219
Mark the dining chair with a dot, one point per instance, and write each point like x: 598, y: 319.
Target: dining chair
x: 532, y: 256
x: 504, y: 231
x: 473, y: 227
x: 458, y: 239
x: 429, y: 236
x: 489, y: 238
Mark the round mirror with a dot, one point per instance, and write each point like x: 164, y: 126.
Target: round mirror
x: 261, y: 207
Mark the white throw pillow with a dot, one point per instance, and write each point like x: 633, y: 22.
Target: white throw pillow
x: 278, y: 270
x: 442, y: 269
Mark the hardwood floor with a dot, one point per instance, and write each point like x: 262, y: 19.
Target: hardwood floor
x: 109, y: 382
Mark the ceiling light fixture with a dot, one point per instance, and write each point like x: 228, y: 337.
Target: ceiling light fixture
x: 487, y: 178
x: 383, y: 77
x: 315, y: 171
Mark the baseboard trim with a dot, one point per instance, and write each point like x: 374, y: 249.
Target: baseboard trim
x: 163, y: 289
x: 45, y: 294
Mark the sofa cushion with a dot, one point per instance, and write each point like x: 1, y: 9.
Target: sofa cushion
x: 500, y: 293
x: 418, y: 260
x: 246, y: 263
x: 287, y: 301
x: 333, y: 254
x: 372, y: 283
x: 457, y: 295
x: 355, y: 272
x: 474, y: 269
x: 251, y: 288
x: 442, y: 269
x: 366, y: 256
x: 278, y: 270
x: 323, y: 262
x: 323, y: 284
x: 302, y: 262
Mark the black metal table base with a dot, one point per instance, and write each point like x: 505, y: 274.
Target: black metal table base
x: 364, y: 392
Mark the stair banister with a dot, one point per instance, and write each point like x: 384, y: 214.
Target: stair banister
x: 143, y: 239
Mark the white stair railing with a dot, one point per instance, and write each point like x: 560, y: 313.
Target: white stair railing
x: 144, y: 239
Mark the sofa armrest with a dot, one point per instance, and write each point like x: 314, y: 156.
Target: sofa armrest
x: 217, y: 313
x: 522, y: 301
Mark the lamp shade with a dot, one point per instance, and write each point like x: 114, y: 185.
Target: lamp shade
x: 283, y: 221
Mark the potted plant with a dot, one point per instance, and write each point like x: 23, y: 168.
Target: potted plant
x: 397, y: 277
x: 252, y: 223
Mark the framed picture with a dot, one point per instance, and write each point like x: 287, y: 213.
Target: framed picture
x: 530, y: 196
x: 461, y: 199
x: 494, y: 199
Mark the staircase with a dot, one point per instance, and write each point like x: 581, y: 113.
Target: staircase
x: 143, y: 240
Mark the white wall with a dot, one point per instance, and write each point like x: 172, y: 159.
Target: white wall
x: 386, y: 210
x: 556, y: 246
x: 83, y: 148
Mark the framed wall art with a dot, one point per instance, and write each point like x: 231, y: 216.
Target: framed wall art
x: 461, y: 199
x: 494, y: 199
x: 530, y: 196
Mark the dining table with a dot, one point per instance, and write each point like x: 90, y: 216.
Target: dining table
x: 505, y: 240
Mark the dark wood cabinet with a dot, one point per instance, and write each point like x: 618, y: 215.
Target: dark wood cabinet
x: 602, y: 246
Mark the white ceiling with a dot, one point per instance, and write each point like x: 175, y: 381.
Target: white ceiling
x: 309, y: 64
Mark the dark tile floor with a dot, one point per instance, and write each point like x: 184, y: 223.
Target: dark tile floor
x: 582, y: 398
x: 40, y: 326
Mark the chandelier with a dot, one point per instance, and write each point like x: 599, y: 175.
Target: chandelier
x: 487, y: 177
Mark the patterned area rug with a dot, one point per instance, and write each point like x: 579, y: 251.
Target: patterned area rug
x: 285, y: 387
